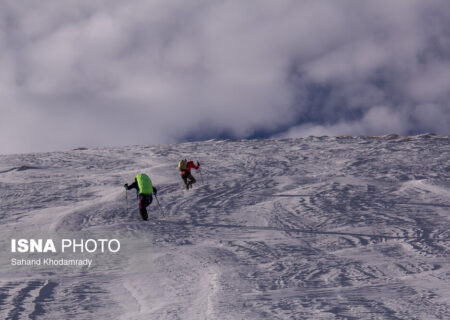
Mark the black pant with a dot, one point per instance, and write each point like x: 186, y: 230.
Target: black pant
x: 185, y: 177
x: 144, y: 202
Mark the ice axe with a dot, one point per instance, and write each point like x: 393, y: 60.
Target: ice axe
x: 160, y: 209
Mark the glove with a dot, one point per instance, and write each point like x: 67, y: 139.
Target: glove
x: 125, y: 186
x: 155, y: 191
x: 198, y: 163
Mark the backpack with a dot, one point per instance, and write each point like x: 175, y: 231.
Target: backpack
x: 145, y: 185
x: 182, y: 165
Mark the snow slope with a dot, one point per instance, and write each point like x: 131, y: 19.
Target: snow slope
x: 314, y: 228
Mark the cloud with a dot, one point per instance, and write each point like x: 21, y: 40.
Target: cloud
x: 99, y: 72
x: 377, y: 121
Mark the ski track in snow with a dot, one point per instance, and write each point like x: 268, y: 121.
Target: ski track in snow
x: 313, y: 228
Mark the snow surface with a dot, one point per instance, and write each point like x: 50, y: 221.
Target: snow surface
x: 313, y: 228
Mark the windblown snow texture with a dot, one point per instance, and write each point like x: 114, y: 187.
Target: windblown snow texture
x: 314, y: 228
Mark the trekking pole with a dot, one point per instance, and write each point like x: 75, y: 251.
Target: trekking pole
x: 201, y: 175
x: 160, y: 209
x: 126, y: 197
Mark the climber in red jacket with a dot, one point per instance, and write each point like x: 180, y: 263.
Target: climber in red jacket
x: 185, y: 169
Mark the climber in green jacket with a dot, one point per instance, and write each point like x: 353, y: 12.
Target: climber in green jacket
x: 143, y: 184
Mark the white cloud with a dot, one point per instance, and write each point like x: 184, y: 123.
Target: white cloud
x: 432, y: 117
x: 155, y: 71
x: 378, y: 120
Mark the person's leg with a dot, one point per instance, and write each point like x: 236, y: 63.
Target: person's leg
x: 191, y: 180
x: 185, y: 177
x: 143, y: 203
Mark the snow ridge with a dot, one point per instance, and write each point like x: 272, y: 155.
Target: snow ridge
x: 313, y: 228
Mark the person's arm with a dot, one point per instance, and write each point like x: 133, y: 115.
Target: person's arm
x: 196, y: 167
x: 155, y: 191
x: 134, y: 185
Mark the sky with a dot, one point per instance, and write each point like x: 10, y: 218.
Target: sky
x: 93, y: 73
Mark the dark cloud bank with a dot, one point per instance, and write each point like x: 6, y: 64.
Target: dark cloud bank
x: 92, y: 73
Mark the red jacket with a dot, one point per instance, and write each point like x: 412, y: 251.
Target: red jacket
x: 189, y: 166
